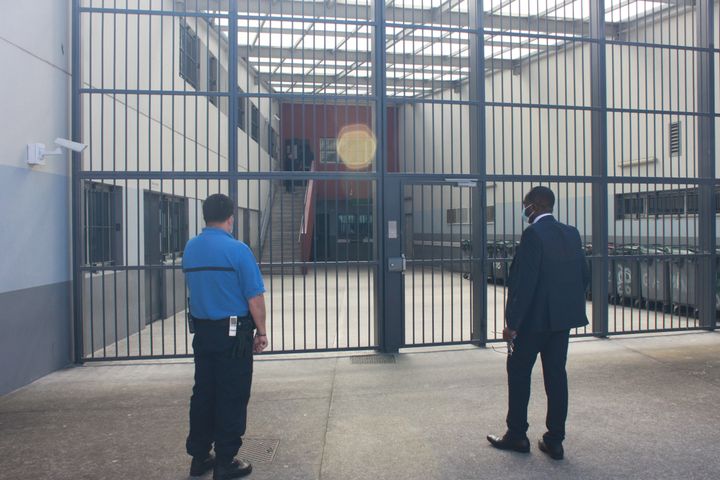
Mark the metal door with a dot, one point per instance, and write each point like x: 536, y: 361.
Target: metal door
x: 443, y: 262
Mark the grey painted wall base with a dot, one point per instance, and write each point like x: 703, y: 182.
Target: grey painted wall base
x: 115, y: 304
x: 36, y: 334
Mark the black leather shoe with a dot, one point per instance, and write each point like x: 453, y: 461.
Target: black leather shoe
x: 553, y: 450
x: 235, y: 469
x: 521, y: 445
x: 199, y: 467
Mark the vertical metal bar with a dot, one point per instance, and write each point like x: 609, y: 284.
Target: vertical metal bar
x: 232, y: 108
x: 390, y: 285
x: 598, y: 92
x: 705, y: 17
x: 78, y: 243
x: 478, y: 167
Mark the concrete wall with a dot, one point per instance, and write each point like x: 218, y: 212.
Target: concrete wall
x: 35, y: 292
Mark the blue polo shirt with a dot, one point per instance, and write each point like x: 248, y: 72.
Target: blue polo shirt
x: 221, y: 274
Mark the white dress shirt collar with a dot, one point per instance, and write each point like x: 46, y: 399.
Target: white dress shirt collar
x: 541, y: 216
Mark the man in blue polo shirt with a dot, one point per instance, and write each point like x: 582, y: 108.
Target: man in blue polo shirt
x: 227, y: 314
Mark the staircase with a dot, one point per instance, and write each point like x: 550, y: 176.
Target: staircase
x: 281, y: 241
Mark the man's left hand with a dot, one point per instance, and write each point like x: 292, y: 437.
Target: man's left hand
x: 260, y: 343
x: 509, y: 334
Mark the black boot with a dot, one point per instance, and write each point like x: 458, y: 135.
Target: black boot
x: 235, y: 469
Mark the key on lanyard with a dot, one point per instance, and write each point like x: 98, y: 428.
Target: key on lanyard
x: 233, y: 326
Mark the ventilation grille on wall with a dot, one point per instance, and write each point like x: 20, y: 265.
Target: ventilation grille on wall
x: 675, y: 139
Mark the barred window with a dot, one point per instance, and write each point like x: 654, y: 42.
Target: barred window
x: 189, y: 55
x: 212, y: 78
x: 173, y: 225
x: 103, y: 224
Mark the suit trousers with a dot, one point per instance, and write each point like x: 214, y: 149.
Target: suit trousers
x: 223, y: 378
x: 552, y: 347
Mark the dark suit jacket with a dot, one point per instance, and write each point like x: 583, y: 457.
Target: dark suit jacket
x: 548, y: 279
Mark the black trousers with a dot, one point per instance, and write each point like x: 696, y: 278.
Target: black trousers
x: 223, y: 378
x: 552, y: 347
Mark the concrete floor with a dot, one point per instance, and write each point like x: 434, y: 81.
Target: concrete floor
x: 330, y: 309
x: 641, y: 407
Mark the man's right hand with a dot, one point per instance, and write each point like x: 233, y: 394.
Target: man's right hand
x: 260, y: 343
x: 509, y: 334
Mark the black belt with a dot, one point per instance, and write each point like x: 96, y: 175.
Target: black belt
x: 244, y: 323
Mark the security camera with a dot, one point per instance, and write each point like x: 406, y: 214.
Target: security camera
x: 74, y: 146
x: 36, y: 152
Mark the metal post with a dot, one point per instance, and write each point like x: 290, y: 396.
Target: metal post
x: 705, y: 101
x: 76, y: 188
x: 390, y: 305
x: 478, y: 167
x: 232, y: 109
x: 598, y: 80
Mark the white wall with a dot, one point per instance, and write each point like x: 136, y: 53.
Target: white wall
x: 163, y: 133
x: 35, y: 289
x: 435, y: 138
x: 34, y: 219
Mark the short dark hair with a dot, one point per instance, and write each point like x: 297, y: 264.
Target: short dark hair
x: 541, y: 197
x: 217, y: 208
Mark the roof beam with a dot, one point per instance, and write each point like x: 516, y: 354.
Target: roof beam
x: 414, y: 37
x: 288, y: 54
x: 345, y: 82
x: 320, y: 10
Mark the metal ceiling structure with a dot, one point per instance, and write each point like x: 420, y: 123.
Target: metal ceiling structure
x: 325, y: 46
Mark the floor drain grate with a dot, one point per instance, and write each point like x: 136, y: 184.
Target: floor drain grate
x: 258, y: 450
x: 370, y: 359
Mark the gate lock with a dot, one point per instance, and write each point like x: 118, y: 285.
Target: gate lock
x: 397, y: 264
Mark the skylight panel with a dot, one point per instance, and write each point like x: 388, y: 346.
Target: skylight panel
x: 418, y: 4
x: 525, y: 8
x: 281, y: 40
x: 446, y: 49
x: 327, y: 72
x: 335, y: 27
x: 287, y: 25
x: 404, y: 47
x: 320, y: 42
x: 632, y: 11
x: 578, y: 10
x: 285, y: 70
x: 356, y: 44
x: 420, y: 76
x: 462, y: 6
x: 246, y: 38
x: 359, y: 73
x: 356, y: 91
x: 492, y: 5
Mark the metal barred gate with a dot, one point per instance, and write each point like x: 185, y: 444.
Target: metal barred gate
x: 379, y: 153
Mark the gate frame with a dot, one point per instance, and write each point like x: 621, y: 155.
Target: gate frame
x: 389, y: 316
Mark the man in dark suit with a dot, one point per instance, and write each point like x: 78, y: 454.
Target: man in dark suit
x: 546, y: 299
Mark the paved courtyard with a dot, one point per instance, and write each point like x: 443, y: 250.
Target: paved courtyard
x: 334, y: 308
x: 644, y: 407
